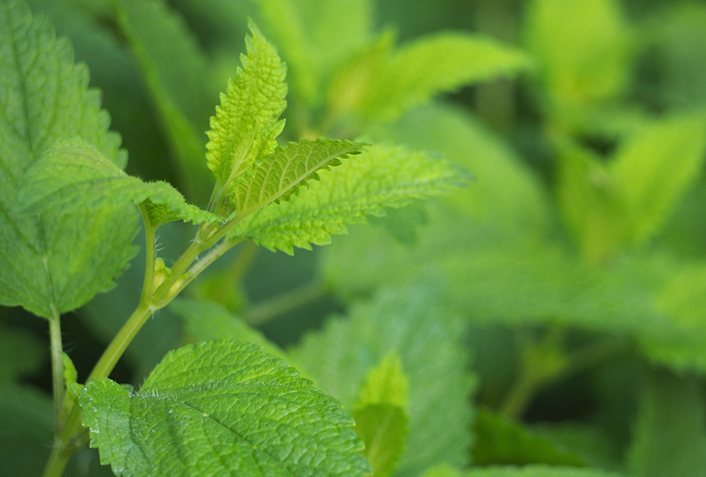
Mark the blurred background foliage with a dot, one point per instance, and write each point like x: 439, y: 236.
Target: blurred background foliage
x: 553, y: 312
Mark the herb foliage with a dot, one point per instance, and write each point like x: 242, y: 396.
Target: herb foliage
x: 513, y: 278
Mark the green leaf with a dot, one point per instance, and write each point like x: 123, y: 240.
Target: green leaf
x: 174, y: 71
x: 211, y: 321
x: 221, y: 407
x: 381, y: 416
x: 410, y: 323
x: 20, y: 354
x: 74, y: 176
x: 499, y: 440
x: 682, y: 298
x: 591, y: 204
x: 655, y: 167
x: 584, y: 49
x: 246, y: 123
x: 57, y: 262
x: 385, y: 383
x: 383, y: 428
x: 279, y: 175
x: 315, y: 39
x: 506, y: 193
x: 382, y: 84
x: 670, y: 436
x: 383, y: 176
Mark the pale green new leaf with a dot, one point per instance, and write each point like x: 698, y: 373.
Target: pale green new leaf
x: 590, y: 203
x: 247, y: 122
x: 582, y: 46
x: 57, y: 262
x: 670, y: 435
x: 382, y: 176
x: 316, y: 36
x: 221, y: 408
x: 74, y: 176
x: 654, y: 168
x: 279, y: 175
x: 382, y: 84
x: 410, y: 323
x: 381, y: 416
x: 174, y: 71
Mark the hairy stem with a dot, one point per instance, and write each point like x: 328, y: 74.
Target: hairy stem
x: 57, y: 367
x: 150, y: 255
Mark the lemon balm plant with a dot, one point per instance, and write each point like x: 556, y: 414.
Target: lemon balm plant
x: 69, y: 220
x: 542, y: 321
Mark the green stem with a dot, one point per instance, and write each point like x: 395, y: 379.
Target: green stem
x: 57, y: 365
x: 533, y: 376
x: 150, y: 255
x: 519, y: 397
x: 57, y: 462
x: 120, y: 342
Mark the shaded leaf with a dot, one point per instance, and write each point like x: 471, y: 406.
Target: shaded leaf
x: 410, y: 323
x: 314, y: 38
x: 382, y: 84
x: 670, y: 437
x: 499, y: 440
x: 381, y: 416
x: 655, y: 167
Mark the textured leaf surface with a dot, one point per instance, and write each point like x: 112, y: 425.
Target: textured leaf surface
x: 57, y: 262
x: 315, y: 38
x: 382, y: 176
x: 174, y: 71
x: 655, y: 167
x: 428, y: 342
x: 381, y: 417
x: 670, y: 435
x: 382, y: 84
x: 74, y: 176
x: 278, y: 176
x: 221, y: 407
x: 246, y: 123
